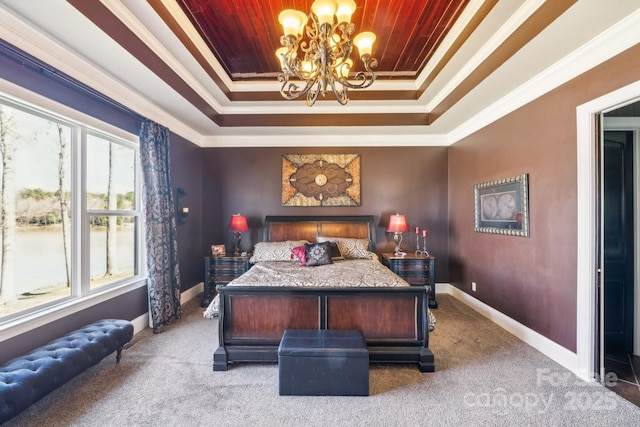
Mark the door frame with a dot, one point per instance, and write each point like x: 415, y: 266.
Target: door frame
x: 587, y: 265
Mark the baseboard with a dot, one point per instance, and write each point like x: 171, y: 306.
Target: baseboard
x: 142, y: 322
x: 191, y: 293
x: 544, y: 345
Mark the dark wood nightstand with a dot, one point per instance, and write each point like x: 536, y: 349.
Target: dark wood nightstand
x: 417, y: 270
x: 219, y: 271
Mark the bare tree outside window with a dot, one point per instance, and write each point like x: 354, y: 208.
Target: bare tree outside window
x: 8, y: 208
x: 38, y: 255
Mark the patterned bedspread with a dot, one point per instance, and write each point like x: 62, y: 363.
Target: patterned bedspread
x: 362, y: 273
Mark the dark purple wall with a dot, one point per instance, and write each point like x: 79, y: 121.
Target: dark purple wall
x: 406, y: 180
x: 186, y: 173
x: 532, y: 280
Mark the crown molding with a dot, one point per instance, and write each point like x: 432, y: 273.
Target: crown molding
x: 618, y: 38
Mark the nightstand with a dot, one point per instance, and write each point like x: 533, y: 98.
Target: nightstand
x: 416, y: 270
x: 219, y: 271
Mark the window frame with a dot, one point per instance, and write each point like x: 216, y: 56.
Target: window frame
x: 81, y: 296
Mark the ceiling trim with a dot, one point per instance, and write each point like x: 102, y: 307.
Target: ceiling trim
x: 471, y: 26
x: 328, y: 137
x: 376, y: 119
x: 605, y: 46
x: 169, y: 18
x: 113, y: 25
x: 104, y: 19
x: 531, y: 26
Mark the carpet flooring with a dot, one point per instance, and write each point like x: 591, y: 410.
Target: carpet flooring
x: 484, y: 377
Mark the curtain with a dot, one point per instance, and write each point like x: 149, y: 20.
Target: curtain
x: 158, y: 209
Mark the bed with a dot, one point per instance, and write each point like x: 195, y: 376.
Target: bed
x: 251, y: 319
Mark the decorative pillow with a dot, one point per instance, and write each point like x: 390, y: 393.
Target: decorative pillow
x: 274, y: 251
x: 335, y: 250
x: 299, y: 252
x: 317, y: 253
x: 349, y: 248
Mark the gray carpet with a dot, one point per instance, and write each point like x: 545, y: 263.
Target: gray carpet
x: 484, y: 376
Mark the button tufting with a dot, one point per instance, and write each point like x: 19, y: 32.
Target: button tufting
x: 26, y: 379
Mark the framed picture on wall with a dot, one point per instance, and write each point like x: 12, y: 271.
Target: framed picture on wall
x: 320, y: 180
x: 502, y: 206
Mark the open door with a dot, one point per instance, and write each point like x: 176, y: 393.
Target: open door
x: 618, y: 242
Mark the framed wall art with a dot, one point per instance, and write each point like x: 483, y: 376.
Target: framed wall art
x: 502, y: 206
x: 321, y: 180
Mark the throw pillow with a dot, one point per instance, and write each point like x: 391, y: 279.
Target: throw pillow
x: 335, y: 251
x: 299, y: 252
x: 318, y: 253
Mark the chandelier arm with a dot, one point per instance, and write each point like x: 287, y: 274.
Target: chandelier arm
x: 366, y: 80
x: 341, y: 95
x: 312, y: 95
x: 292, y: 92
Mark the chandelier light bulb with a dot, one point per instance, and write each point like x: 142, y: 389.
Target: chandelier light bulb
x: 345, y: 10
x: 307, y: 66
x: 292, y: 22
x: 364, y: 42
x: 324, y: 10
x: 345, y: 68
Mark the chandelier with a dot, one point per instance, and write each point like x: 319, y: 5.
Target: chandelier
x: 322, y: 61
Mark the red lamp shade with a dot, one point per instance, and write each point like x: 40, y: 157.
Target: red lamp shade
x: 397, y: 224
x: 238, y: 223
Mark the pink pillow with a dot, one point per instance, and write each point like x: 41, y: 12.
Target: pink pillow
x: 300, y: 253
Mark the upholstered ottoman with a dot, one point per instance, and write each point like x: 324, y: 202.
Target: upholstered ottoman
x: 318, y: 362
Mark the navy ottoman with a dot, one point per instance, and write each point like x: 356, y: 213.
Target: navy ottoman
x: 323, y: 362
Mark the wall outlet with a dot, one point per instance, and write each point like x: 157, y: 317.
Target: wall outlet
x: 473, y: 286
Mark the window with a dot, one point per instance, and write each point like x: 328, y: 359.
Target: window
x: 111, y: 207
x: 70, y: 220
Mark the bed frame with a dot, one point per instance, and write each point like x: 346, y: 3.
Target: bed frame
x: 394, y: 321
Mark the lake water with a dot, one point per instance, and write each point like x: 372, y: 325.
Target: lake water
x: 39, y: 256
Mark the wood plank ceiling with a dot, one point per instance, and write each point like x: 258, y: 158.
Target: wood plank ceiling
x: 245, y: 35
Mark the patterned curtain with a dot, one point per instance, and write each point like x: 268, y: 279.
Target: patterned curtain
x: 160, y: 226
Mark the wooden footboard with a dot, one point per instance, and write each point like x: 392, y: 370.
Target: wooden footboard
x: 394, y: 321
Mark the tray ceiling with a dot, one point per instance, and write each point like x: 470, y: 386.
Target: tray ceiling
x: 207, y: 68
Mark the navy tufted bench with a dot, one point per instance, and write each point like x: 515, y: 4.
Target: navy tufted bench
x: 27, y: 379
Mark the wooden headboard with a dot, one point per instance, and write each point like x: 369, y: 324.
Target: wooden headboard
x: 281, y: 228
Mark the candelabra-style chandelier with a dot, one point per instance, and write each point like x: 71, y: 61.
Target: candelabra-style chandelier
x: 323, y: 61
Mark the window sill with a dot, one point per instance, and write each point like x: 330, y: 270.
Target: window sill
x: 28, y: 322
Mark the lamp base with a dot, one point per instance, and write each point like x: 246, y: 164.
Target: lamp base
x: 397, y: 236
x: 237, y: 237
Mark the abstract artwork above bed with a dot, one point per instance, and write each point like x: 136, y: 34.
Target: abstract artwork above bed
x: 321, y: 180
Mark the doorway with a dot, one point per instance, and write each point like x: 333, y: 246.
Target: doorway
x: 588, y: 118
x: 618, y: 308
